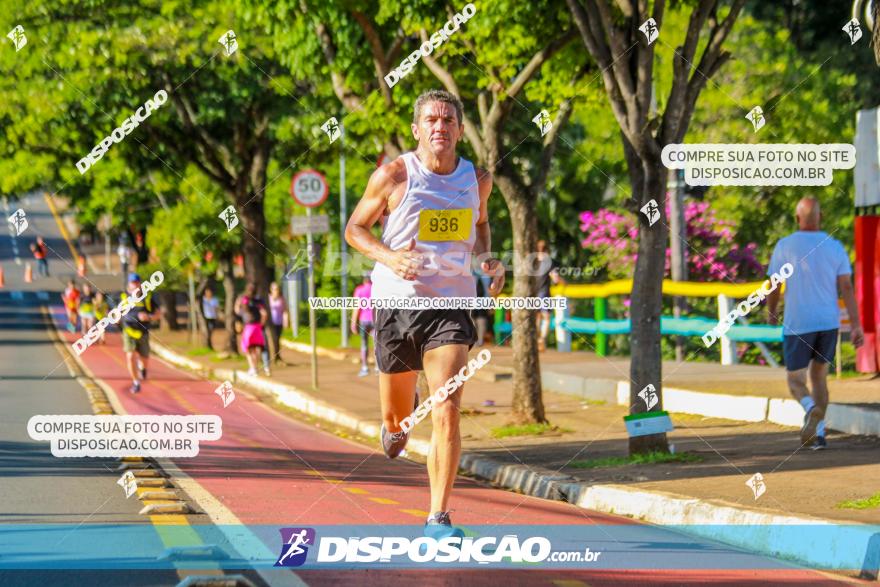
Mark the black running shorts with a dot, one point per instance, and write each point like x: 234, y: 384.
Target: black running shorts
x: 403, y: 336
x: 800, y: 349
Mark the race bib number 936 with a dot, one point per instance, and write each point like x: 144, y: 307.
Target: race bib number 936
x: 445, y: 225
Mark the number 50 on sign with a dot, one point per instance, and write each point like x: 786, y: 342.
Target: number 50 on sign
x: 309, y: 188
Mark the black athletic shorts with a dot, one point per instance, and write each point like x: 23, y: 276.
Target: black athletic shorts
x: 800, y: 349
x: 403, y: 336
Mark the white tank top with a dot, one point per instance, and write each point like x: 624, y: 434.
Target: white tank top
x: 433, y: 208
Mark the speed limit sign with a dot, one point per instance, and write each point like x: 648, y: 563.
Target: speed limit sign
x: 309, y: 188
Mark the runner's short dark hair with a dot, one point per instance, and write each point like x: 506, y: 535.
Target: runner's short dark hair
x: 438, y: 96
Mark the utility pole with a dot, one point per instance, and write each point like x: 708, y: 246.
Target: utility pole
x: 343, y: 214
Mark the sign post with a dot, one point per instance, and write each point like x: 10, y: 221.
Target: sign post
x: 309, y: 188
x: 343, y: 246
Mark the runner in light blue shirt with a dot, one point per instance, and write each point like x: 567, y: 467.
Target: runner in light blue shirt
x: 821, y: 272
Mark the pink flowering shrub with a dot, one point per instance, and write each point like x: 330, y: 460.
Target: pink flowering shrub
x: 612, y: 237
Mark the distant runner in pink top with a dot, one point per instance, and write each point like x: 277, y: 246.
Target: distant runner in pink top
x: 365, y: 318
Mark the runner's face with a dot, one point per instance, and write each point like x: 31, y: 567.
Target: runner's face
x: 438, y: 130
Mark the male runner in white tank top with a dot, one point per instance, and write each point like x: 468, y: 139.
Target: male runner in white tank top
x: 436, y: 206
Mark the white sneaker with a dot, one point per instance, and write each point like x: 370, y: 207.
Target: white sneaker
x: 364, y: 372
x: 252, y: 372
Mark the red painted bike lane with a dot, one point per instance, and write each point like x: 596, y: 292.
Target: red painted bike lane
x: 270, y: 469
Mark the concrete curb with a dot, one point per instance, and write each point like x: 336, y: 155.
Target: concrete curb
x: 302, y: 347
x: 852, y: 546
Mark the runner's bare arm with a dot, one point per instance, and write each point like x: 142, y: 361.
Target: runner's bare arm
x: 772, y: 304
x: 483, y: 242
x: 845, y: 287
x: 377, y: 198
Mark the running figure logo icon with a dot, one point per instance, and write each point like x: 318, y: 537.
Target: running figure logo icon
x: 226, y: 393
x: 128, y: 483
x: 229, y: 42
x: 756, y: 117
x: 649, y: 396
x: 17, y: 37
x: 756, y: 483
x: 294, y: 546
x: 543, y: 121
x: 19, y: 221
x: 331, y: 127
x: 652, y: 211
x: 854, y: 31
x: 229, y: 217
x: 650, y: 30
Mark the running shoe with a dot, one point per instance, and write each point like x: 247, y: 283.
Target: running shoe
x: 811, y: 421
x: 439, y: 526
x: 364, y: 372
x: 252, y: 372
x: 135, y: 387
x: 820, y: 444
x: 266, y: 372
x: 393, y: 443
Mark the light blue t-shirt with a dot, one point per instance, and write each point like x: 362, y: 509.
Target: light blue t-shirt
x: 811, y: 291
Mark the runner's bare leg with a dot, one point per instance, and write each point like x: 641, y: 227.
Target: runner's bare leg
x: 819, y: 384
x: 797, y: 383
x: 440, y: 364
x: 131, y: 363
x: 396, y: 394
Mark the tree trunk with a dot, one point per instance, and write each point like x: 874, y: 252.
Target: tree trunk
x: 201, y: 325
x: 229, y: 305
x: 528, y: 405
x: 253, y: 219
x: 168, y: 301
x: 647, y: 299
x: 253, y: 239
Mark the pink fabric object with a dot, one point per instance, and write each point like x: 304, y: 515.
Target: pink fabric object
x: 252, y: 336
x: 364, y: 290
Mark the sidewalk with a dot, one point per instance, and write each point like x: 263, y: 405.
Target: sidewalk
x: 748, y: 393
x: 799, y: 482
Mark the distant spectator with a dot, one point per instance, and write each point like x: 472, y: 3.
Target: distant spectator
x: 39, y: 249
x: 87, y: 308
x: 820, y: 272
x: 278, y: 319
x: 547, y: 274
x: 210, y: 307
x: 362, y: 323
x: 71, y: 304
x: 253, y: 313
x: 101, y: 310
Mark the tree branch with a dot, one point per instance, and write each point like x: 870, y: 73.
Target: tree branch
x: 378, y: 52
x: 348, y: 98
x: 537, y: 61
x: 710, y: 62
